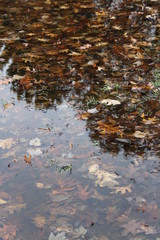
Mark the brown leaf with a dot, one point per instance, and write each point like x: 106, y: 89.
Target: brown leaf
x: 28, y: 159
x: 8, y: 232
x: 105, y: 128
x: 83, y: 193
x: 39, y: 221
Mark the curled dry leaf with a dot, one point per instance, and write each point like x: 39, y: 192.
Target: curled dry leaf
x: 28, y: 159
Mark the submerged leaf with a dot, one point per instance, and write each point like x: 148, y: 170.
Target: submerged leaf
x: 6, y: 143
x: 39, y: 221
x: 35, y: 142
x: 104, y: 178
x: 27, y: 159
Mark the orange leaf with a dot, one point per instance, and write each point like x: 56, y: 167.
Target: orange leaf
x: 27, y: 159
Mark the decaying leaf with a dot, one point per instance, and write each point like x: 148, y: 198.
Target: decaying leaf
x: 2, y: 201
x: 134, y: 226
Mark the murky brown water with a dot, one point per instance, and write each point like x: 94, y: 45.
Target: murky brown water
x: 79, y: 120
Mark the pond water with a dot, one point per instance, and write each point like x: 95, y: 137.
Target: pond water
x: 79, y: 120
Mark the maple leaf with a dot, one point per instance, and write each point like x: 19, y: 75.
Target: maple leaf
x: 139, y: 134
x: 104, y: 178
x: 134, y: 226
x: 123, y: 190
x: 64, y: 185
x: 39, y: 221
x: 106, y: 128
x: 6, y: 143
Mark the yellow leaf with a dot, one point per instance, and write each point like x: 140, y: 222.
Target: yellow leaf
x: 39, y: 185
x: 39, y: 221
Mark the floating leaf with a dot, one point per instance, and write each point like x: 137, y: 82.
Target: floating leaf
x: 123, y: 190
x: 134, y: 226
x: 39, y: 185
x: 35, y: 142
x: 110, y: 102
x: 59, y: 236
x: 27, y: 159
x: 39, y: 221
x: 139, y: 134
x: 106, y: 128
x: 34, y: 152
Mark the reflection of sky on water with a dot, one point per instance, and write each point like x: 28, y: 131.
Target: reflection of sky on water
x: 5, y: 68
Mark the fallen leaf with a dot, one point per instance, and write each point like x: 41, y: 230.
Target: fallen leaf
x: 6, y: 143
x: 39, y: 221
x: 150, y: 121
x: 134, y: 226
x: 59, y: 236
x: 35, y: 142
x: 2, y: 201
x: 39, y: 185
x: 86, y: 46
x: 27, y: 159
x: 80, y: 232
x: 123, y: 190
x: 139, y: 134
x: 108, y: 128
x: 110, y: 102
x: 7, y: 232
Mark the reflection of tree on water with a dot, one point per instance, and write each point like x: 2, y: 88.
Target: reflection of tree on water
x: 96, y: 46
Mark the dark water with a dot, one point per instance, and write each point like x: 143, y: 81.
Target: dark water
x: 79, y: 120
